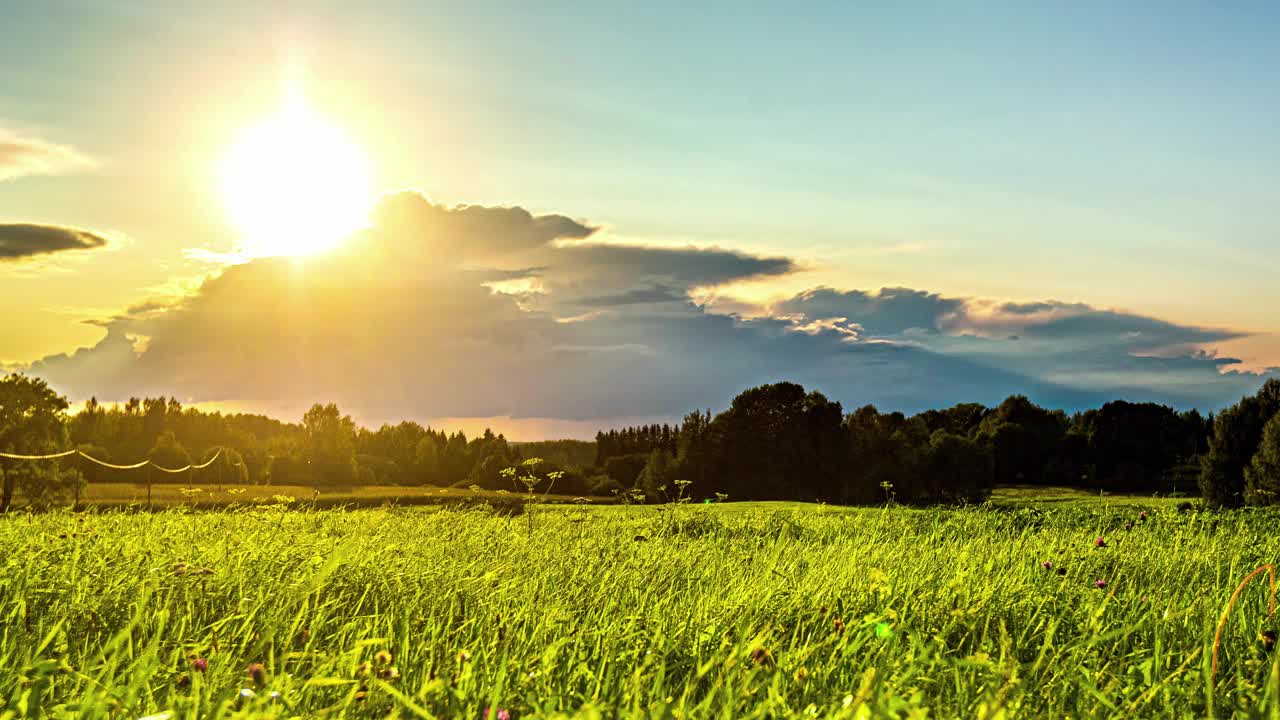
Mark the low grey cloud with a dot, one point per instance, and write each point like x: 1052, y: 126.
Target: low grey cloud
x: 1068, y: 344
x: 23, y: 240
x: 21, y: 156
x: 410, y: 319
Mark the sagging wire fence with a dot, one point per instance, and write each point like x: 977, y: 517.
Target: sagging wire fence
x: 147, y: 464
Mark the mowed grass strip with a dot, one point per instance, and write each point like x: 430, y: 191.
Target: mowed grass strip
x: 747, y: 611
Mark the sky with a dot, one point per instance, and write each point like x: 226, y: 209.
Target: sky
x: 906, y: 204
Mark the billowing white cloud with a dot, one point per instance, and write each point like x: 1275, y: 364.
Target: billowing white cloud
x: 492, y: 312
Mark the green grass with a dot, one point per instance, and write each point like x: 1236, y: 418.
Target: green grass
x: 689, y: 612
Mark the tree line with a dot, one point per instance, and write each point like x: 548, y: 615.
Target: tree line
x: 781, y: 442
x: 776, y: 441
x: 326, y: 449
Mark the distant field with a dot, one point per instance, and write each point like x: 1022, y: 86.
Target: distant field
x: 123, y: 494
x: 1026, y: 495
x: 747, y: 610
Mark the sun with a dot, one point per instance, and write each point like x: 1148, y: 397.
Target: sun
x: 295, y: 185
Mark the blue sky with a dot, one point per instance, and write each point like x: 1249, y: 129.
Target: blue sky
x: 1118, y: 157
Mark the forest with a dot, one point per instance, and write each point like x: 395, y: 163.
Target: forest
x: 774, y: 442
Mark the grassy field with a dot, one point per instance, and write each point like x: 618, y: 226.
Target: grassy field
x: 737, y: 611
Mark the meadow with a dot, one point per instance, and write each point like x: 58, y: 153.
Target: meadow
x: 740, y: 610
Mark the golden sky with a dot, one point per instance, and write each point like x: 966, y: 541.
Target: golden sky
x: 902, y: 214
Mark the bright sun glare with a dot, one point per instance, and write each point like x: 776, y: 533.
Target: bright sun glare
x: 295, y: 185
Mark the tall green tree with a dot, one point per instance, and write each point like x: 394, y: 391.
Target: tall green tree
x: 778, y: 442
x: 1237, y: 433
x: 656, y: 478
x: 32, y: 422
x: 329, y: 447
x: 168, y: 452
x: 1262, y: 477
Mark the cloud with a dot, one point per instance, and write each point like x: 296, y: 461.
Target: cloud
x: 497, y: 312
x: 23, y: 240
x: 891, y: 311
x: 470, y: 233
x: 1112, y: 352
x: 21, y: 156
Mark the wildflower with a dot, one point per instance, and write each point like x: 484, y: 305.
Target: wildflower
x: 839, y: 625
x: 1142, y: 515
x: 801, y: 674
x: 1100, y: 542
x: 184, y: 680
x: 257, y: 673
x: 247, y: 693
x: 760, y: 656
x: 501, y: 714
x: 390, y: 673
x: 1100, y: 584
x: 463, y: 656
x: 1268, y: 639
x: 1046, y: 565
x: 199, y: 664
x: 362, y: 670
x: 1128, y: 526
x: 383, y: 657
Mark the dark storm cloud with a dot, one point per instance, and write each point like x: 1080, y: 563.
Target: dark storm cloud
x: 22, y: 240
